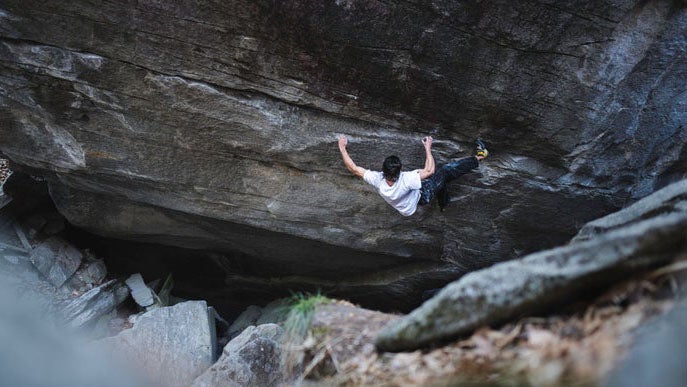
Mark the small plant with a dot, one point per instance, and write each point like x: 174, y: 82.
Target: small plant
x: 301, y: 310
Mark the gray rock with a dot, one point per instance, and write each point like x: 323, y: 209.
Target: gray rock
x: 172, y: 345
x: 659, y: 356
x: 250, y: 359
x: 199, y: 139
x: 139, y: 291
x: 669, y: 199
x: 90, y: 306
x: 56, y: 259
x: 21, y: 234
x: 543, y: 279
x: 91, y: 273
x: 4, y: 199
x: 273, y: 313
x: 37, y: 352
x: 249, y: 317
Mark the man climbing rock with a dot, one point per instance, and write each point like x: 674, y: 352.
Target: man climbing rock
x: 406, y: 190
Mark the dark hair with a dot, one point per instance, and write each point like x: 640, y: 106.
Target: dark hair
x: 391, y: 168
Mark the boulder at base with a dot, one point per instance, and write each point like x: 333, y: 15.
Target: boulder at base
x: 250, y: 359
x: 544, y: 279
x: 171, y: 345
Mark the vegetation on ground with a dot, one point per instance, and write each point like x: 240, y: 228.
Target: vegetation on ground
x: 579, y: 345
x: 302, y: 307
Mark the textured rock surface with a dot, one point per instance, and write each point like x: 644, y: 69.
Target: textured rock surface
x: 544, y: 279
x: 250, y: 359
x: 672, y: 198
x: 172, y: 345
x: 95, y: 303
x: 36, y: 352
x: 91, y: 273
x: 659, y: 355
x: 56, y: 259
x: 139, y: 291
x: 200, y: 124
x: 276, y: 312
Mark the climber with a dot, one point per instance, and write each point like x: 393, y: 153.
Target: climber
x: 406, y: 190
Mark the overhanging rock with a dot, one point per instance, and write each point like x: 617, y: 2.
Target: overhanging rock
x: 203, y: 126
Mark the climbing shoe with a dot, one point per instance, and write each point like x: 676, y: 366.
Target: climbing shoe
x: 481, y: 149
x: 443, y: 198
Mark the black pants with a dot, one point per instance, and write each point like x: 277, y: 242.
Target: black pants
x: 435, y: 185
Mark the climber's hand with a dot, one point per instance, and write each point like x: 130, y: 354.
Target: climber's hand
x: 343, y: 141
x: 427, y: 142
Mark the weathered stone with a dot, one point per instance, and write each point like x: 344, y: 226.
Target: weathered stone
x: 542, y: 280
x: 37, y: 352
x: 247, y: 318
x: 659, y: 355
x: 669, y: 199
x: 56, y: 259
x: 139, y: 291
x: 200, y: 125
x: 91, y: 273
x: 172, y: 345
x: 250, y: 359
x: 273, y: 313
x: 97, y: 302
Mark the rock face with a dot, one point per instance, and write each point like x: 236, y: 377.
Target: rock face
x: 640, y: 239
x: 95, y: 303
x: 659, y: 354
x: 198, y: 125
x: 139, y: 291
x: 56, y: 259
x: 172, y: 345
x: 251, y: 359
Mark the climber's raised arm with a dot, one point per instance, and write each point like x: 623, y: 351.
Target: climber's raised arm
x: 428, y: 170
x: 356, y: 170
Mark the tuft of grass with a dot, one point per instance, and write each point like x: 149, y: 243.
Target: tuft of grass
x: 302, y: 307
x: 301, y: 310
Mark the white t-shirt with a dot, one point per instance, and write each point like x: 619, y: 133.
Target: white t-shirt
x: 403, y: 195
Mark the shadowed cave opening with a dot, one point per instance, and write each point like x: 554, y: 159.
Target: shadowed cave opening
x: 231, y: 281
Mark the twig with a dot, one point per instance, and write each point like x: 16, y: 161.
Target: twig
x: 313, y: 363
x: 22, y: 236
x: 6, y: 246
x: 675, y: 267
x: 333, y: 357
